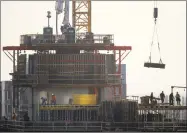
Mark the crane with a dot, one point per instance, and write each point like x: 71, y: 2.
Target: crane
x: 81, y: 14
x: 150, y: 64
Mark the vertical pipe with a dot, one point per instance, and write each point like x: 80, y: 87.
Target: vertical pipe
x: 48, y: 22
x: 56, y: 23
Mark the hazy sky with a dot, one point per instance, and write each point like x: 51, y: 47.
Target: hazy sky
x: 130, y: 22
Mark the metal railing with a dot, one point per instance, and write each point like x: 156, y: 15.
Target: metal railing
x: 110, y: 79
x: 81, y: 38
x: 91, y: 126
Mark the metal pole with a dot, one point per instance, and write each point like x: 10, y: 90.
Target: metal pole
x: 48, y: 22
x: 32, y: 103
x: 17, y: 78
x: 56, y: 23
x: 13, y: 82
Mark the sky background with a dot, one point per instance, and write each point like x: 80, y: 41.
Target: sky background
x: 130, y: 22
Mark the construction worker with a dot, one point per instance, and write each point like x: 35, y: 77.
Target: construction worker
x: 178, y: 99
x: 151, y: 97
x: 26, y: 119
x: 162, y: 97
x: 171, y: 99
x: 53, y: 101
x: 44, y: 100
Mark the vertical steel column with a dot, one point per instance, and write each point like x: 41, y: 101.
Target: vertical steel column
x: 33, y: 103
x: 119, y: 70
x: 13, y: 83
x: 17, y: 78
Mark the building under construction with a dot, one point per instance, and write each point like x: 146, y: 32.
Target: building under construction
x: 75, y: 87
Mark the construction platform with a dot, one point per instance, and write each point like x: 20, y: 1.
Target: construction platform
x: 90, y: 126
x: 67, y: 107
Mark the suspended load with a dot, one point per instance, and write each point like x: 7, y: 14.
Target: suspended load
x: 149, y: 64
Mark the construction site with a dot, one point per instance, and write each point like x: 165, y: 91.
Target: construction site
x: 68, y: 84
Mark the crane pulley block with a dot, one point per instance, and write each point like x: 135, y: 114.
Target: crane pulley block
x: 155, y: 13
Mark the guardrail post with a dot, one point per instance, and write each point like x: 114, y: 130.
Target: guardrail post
x: 53, y: 125
x: 86, y: 126
x: 101, y: 126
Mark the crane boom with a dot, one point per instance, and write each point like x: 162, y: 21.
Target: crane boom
x: 176, y: 87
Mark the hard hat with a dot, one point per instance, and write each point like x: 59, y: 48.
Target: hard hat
x: 52, y: 94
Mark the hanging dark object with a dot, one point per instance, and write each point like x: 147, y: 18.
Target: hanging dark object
x: 154, y: 65
x: 149, y: 64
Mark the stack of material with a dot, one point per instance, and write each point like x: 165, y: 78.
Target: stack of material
x: 106, y: 111
x: 125, y: 111
x: 145, y: 100
x: 119, y: 111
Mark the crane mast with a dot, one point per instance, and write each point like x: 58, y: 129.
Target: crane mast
x: 81, y: 15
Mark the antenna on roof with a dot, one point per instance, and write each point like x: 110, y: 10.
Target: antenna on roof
x: 48, y: 16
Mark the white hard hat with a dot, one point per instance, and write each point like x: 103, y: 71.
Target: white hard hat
x: 52, y: 94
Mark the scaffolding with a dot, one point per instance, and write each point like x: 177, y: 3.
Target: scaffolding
x: 60, y: 64
x: 162, y: 118
x: 105, y: 118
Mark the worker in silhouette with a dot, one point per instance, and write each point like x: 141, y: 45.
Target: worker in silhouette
x: 171, y: 99
x: 5, y: 118
x: 26, y: 119
x: 162, y: 97
x: 53, y: 101
x: 44, y: 100
x: 151, y: 97
x: 178, y: 99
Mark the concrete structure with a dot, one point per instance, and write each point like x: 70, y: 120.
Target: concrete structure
x: 6, y: 98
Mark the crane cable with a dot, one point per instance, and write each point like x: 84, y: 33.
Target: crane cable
x: 155, y: 15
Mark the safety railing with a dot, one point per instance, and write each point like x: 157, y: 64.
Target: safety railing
x: 72, y: 78
x: 90, y: 126
x: 80, y: 38
x: 163, y: 126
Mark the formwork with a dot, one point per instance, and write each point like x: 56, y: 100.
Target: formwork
x: 68, y: 113
x: 107, y: 111
x: 72, y: 69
